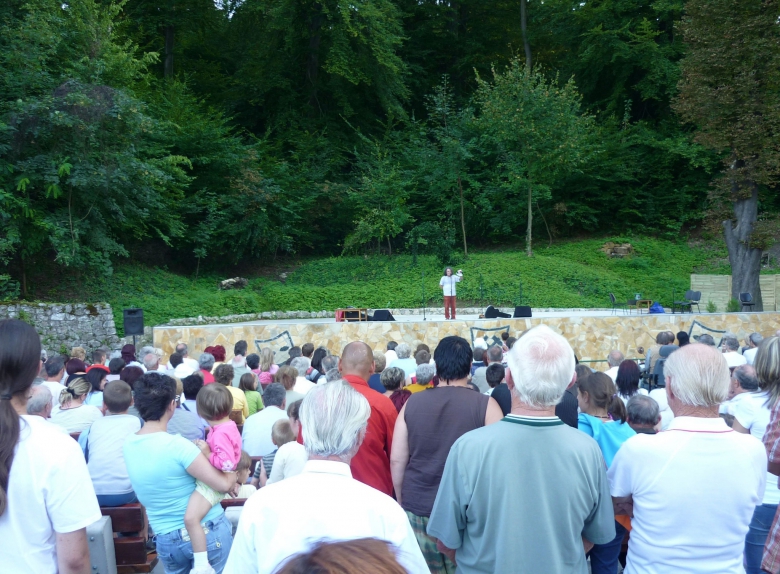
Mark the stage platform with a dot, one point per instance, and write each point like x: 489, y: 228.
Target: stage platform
x: 591, y: 332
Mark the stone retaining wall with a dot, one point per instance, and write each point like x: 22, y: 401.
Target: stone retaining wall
x: 63, y: 326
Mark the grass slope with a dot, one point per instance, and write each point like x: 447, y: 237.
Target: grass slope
x: 572, y: 274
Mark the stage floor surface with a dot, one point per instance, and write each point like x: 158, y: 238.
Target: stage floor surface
x: 433, y: 316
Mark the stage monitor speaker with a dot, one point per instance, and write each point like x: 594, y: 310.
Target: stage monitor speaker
x: 383, y: 315
x: 353, y: 315
x: 493, y: 313
x: 133, y: 320
x: 522, y: 311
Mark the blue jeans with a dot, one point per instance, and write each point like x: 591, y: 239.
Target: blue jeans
x: 116, y: 499
x: 175, y: 549
x: 756, y: 537
x: 604, y: 557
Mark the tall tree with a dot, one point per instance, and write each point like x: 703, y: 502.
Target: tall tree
x: 540, y: 130
x: 730, y: 90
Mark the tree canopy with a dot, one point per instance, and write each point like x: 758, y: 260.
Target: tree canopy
x: 202, y: 134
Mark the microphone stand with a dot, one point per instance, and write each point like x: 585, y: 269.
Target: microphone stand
x: 423, y: 294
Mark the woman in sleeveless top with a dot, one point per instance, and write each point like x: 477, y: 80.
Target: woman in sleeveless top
x: 427, y: 426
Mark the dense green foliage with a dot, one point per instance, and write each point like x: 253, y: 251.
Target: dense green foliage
x: 569, y: 274
x: 200, y: 135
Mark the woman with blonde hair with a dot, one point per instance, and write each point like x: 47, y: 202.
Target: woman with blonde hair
x: 265, y: 373
x: 752, y: 413
x: 74, y: 414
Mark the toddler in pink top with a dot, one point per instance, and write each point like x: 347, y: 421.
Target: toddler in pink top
x: 223, y: 449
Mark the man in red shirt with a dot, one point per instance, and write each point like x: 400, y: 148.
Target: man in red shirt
x: 371, y: 464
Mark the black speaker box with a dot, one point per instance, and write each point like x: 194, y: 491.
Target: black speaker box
x: 493, y: 313
x: 383, y: 315
x: 133, y: 320
x: 522, y: 311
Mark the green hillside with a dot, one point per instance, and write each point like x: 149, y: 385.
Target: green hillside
x: 571, y: 274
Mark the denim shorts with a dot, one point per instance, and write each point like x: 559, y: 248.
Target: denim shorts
x: 175, y: 549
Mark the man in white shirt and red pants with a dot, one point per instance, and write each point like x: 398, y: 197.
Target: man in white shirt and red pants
x: 447, y: 284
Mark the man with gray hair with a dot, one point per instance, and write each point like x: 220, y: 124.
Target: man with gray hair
x: 494, y: 354
x: 643, y: 414
x: 753, y: 341
x: 329, y: 362
x: 692, y: 489
x: 405, y: 361
x: 302, y: 384
x: 614, y: 359
x: 205, y: 366
x: 151, y: 361
x: 324, y: 501
x: 40, y: 402
x: 730, y: 347
x: 256, y: 435
x: 181, y: 348
x: 558, y: 496
x: 743, y: 381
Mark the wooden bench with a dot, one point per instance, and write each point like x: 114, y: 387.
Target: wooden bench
x: 231, y: 502
x: 131, y: 554
x: 75, y: 436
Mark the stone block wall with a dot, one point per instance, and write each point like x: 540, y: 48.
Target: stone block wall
x: 63, y: 326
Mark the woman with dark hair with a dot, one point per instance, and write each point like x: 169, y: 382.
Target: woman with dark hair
x: 128, y: 354
x: 426, y: 428
x: 46, y: 495
x: 130, y: 375
x: 627, y: 380
x: 316, y: 364
x: 683, y: 339
x: 603, y: 416
x: 97, y: 378
x: 163, y: 469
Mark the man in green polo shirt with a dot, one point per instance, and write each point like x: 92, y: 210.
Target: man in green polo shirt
x: 528, y: 494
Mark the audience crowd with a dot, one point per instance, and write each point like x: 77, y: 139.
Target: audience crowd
x: 485, y: 457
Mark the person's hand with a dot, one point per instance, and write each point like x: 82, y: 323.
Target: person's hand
x: 587, y: 544
x: 234, y: 491
x: 204, y: 447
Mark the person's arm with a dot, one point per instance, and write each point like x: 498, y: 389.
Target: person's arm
x: 399, y: 456
x: 263, y: 474
x: 623, y: 505
x: 493, y: 414
x: 73, y: 552
x: 448, y: 552
x: 203, y: 471
x: 739, y: 428
x: 245, y: 408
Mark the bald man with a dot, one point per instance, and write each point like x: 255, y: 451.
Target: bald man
x: 371, y: 464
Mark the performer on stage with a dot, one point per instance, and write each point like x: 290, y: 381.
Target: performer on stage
x: 447, y: 284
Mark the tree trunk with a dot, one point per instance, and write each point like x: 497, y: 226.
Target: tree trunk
x: 745, y: 260
x: 462, y: 218
x: 168, y: 66
x: 24, y: 277
x: 389, y: 247
x: 524, y: 30
x: 530, y: 224
x: 313, y: 61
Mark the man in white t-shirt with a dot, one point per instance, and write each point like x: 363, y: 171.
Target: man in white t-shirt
x: 256, y: 436
x: 191, y: 363
x: 753, y: 341
x: 104, y: 442
x: 693, y: 488
x: 614, y: 359
x: 302, y: 384
x: 743, y: 383
x: 731, y: 352
x: 55, y: 371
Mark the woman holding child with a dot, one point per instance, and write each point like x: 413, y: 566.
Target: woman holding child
x: 164, y: 469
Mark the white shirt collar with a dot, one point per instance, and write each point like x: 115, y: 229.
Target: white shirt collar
x: 328, y: 467
x: 699, y: 424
